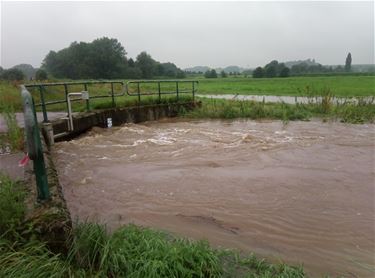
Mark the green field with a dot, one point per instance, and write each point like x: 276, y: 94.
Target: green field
x: 340, y: 86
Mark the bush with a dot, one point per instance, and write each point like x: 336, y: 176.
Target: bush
x: 210, y: 74
x: 12, y: 75
x: 40, y: 75
x: 258, y: 72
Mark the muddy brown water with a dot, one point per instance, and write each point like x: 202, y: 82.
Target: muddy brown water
x: 302, y: 193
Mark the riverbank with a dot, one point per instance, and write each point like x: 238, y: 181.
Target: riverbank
x: 130, y: 251
x: 325, y: 108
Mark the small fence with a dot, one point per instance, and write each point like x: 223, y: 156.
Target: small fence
x: 68, y: 92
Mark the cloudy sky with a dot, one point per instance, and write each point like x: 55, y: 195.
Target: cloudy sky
x: 216, y: 34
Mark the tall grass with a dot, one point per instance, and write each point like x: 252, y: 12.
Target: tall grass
x: 358, y: 111
x: 131, y: 251
x: 12, y: 207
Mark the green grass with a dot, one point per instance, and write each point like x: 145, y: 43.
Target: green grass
x: 341, y: 86
x: 130, y: 251
x: 13, y: 138
x: 12, y: 207
x: 360, y: 112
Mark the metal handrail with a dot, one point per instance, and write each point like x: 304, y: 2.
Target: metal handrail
x: 159, y: 92
x: 43, y: 103
x: 34, y: 144
x: 124, y: 91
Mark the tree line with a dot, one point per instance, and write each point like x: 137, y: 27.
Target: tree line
x: 17, y: 74
x: 105, y: 58
x: 276, y: 69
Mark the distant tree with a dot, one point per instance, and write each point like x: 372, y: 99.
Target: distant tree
x: 131, y: 63
x: 41, y: 74
x: 133, y: 73
x: 1, y: 70
x: 348, y: 62
x: 28, y: 70
x: 210, y: 74
x: 247, y: 72
x: 147, y: 65
x: 180, y: 74
x: 258, y: 72
x: 284, y: 72
x: 223, y: 74
x: 12, y: 74
x: 270, y: 70
x: 339, y: 69
x: 102, y: 58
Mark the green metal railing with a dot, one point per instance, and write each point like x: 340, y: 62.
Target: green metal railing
x: 34, y: 144
x: 66, y: 87
x: 146, y: 85
x: 142, y: 88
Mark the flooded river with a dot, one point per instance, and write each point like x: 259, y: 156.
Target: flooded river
x: 301, y: 192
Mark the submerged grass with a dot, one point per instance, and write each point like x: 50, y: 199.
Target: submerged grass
x: 130, y: 251
x: 358, y: 111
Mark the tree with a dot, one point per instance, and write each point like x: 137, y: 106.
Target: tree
x: 102, y: 58
x: 348, y: 62
x: 284, y: 72
x: 270, y: 70
x: 210, y: 74
x: 41, y: 74
x: 12, y: 75
x: 146, y: 64
x: 258, y: 72
x: 223, y: 74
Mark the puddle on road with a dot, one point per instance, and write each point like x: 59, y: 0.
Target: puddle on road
x: 303, y: 192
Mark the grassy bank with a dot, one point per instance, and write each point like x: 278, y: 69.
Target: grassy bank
x: 131, y: 251
x: 360, y: 112
x: 342, y: 86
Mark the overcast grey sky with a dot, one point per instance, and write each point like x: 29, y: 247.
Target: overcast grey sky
x: 216, y: 34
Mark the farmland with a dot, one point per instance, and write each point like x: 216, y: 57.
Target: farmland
x: 340, y: 86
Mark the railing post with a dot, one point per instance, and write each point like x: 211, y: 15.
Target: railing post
x: 177, y: 90
x: 34, y: 145
x: 139, y: 93
x: 87, y: 100
x: 41, y: 90
x: 113, y: 97
x: 193, y: 90
x: 66, y: 96
x: 159, y: 91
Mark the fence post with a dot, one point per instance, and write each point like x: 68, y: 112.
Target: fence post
x: 34, y: 145
x: 159, y: 91
x: 87, y: 100
x: 113, y: 97
x: 139, y: 93
x: 41, y: 90
x: 66, y: 96
x: 177, y: 90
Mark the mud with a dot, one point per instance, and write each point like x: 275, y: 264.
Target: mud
x: 302, y: 192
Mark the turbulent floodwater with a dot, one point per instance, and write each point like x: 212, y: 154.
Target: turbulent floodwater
x: 301, y: 192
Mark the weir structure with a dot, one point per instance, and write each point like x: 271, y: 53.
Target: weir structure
x: 133, y: 101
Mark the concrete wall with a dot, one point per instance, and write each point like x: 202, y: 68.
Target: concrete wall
x: 87, y: 120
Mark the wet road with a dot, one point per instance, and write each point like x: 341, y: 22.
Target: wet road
x: 302, y: 192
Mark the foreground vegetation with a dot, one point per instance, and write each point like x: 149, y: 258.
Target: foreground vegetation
x: 131, y: 251
x: 360, y: 111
